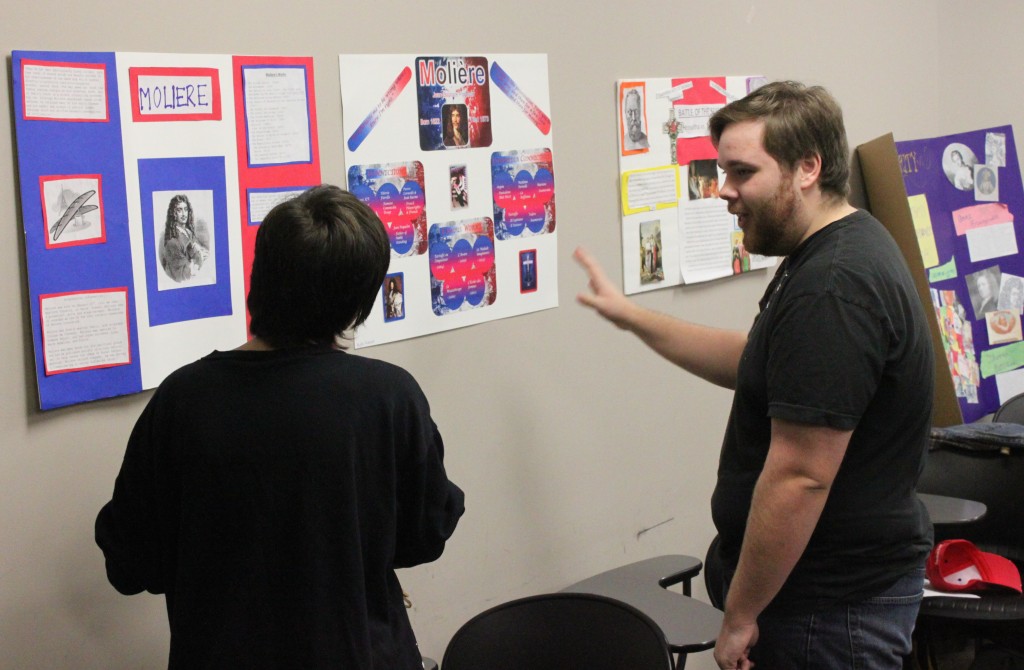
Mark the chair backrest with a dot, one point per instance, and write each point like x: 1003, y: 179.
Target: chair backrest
x: 559, y: 631
x: 1011, y: 411
x: 995, y: 478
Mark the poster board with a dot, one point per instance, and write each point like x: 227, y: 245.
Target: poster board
x: 143, y: 180
x: 962, y: 200
x: 675, y: 228
x: 455, y: 153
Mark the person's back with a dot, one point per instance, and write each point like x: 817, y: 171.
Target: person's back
x: 271, y: 491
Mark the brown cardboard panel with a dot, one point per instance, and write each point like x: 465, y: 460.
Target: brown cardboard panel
x: 887, y: 201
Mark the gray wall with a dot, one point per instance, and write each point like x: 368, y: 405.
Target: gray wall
x: 577, y: 439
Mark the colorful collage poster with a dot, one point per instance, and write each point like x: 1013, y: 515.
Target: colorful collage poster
x: 967, y: 200
x: 143, y: 180
x: 455, y: 154
x: 675, y: 228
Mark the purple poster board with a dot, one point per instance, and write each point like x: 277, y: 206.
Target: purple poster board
x: 967, y: 199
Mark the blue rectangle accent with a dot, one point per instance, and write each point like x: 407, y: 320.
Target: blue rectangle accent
x: 46, y: 148
x: 309, y: 123
x: 185, y: 174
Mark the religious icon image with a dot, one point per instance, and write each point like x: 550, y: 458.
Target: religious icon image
x: 651, y: 264
x: 527, y: 270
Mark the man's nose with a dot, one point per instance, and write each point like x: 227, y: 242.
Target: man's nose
x: 726, y: 191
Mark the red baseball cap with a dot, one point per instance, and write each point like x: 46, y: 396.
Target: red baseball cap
x: 958, y: 565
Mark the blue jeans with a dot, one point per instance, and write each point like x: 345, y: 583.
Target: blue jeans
x: 873, y: 634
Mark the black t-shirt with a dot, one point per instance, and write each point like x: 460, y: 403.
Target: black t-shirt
x: 841, y: 341
x: 270, y: 496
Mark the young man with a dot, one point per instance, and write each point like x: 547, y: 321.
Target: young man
x: 271, y: 491
x: 822, y: 535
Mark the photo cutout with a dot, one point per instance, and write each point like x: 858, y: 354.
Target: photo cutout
x: 393, y: 295
x: 986, y: 183
x: 1003, y: 326
x: 958, y: 163
x: 983, y: 287
x: 1011, y: 293
x: 703, y: 179
x: 73, y: 210
x: 634, y: 118
x: 458, y: 186
x: 185, y: 245
x: 995, y: 149
x: 651, y: 266
x: 528, y: 271
x: 456, y: 125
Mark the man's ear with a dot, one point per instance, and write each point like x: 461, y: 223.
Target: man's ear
x: 808, y: 170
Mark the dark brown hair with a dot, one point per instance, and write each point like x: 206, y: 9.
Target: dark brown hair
x: 320, y: 259
x: 799, y: 122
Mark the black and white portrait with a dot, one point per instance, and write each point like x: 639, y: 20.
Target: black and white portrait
x: 986, y: 183
x: 183, y: 232
x: 634, y: 120
x: 983, y: 287
x: 958, y: 163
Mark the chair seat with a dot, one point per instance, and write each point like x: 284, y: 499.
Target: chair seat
x: 689, y: 625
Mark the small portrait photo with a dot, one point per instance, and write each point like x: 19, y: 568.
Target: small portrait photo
x: 393, y: 293
x: 527, y: 270
x: 1011, y: 293
x: 986, y: 183
x: 457, y: 186
x: 73, y: 210
x: 740, y: 255
x: 651, y: 265
x: 1003, y: 326
x: 183, y: 231
x: 958, y: 163
x: 456, y: 125
x: 703, y: 179
x: 634, y: 117
x: 995, y: 149
x: 983, y: 287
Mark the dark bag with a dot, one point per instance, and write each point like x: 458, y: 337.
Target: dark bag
x: 995, y: 657
x: 1004, y: 437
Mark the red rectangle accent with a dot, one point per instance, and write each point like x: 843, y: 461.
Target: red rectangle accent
x: 58, y: 64
x: 188, y: 93
x: 127, y: 322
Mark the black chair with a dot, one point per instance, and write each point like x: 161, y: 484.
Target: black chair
x: 992, y: 475
x: 559, y: 631
x: 689, y: 624
x: 1011, y: 411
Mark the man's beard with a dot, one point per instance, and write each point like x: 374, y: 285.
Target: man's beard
x: 768, y: 229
